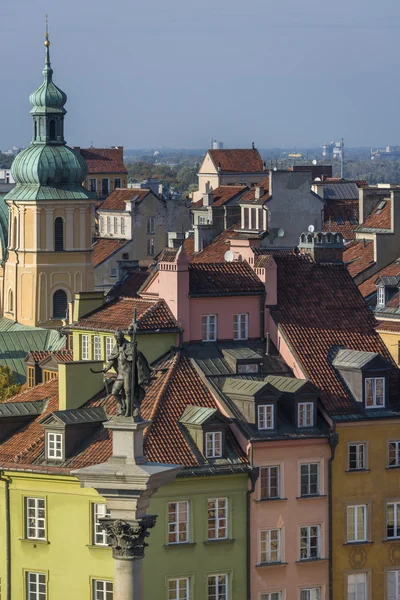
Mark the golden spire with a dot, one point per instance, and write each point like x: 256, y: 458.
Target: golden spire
x: 46, y: 35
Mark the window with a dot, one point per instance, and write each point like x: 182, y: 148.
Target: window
x: 52, y: 130
x: 10, y: 301
x: 59, y: 234
x: 178, y: 589
x: 109, y: 347
x: 357, y: 457
x: 240, y: 326
x: 178, y: 522
x: 113, y: 271
x: 209, y: 328
x: 99, y: 535
x: 245, y: 221
x: 102, y: 590
x: 15, y: 233
x: 150, y: 247
x: 271, y: 546
x: 36, y: 586
x: 108, y: 224
x: 117, y: 183
x: 55, y: 445
x: 309, y: 479
x: 151, y: 225
x: 357, y: 586
x: 93, y: 185
x: 60, y: 305
x: 35, y: 509
x: 394, y: 454
x: 309, y: 542
x: 217, y: 525
x: 265, y: 416
x: 115, y: 224
x: 272, y: 596
x: 247, y: 368
x: 47, y: 375
x: 105, y: 187
x: 125, y: 256
x: 374, y: 392
x: 31, y: 376
x: 357, y: 523
x: 96, y: 347
x: 269, y: 483
x: 381, y: 296
x: 393, y: 585
x: 85, y: 347
x: 217, y: 587
x: 213, y: 444
x: 310, y: 594
x: 122, y: 226
x: 102, y: 225
x: 305, y: 415
x: 202, y: 221
x: 393, y: 520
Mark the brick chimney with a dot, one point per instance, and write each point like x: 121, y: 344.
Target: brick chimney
x: 324, y: 247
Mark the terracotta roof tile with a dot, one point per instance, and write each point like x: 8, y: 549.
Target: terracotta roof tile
x: 118, y: 199
x: 223, y: 194
x: 251, y: 194
x: 359, y: 256
x: 103, y: 160
x: 215, y: 250
x: 390, y: 326
x: 227, y: 278
x: 341, y: 216
x: 103, y: 248
x: 130, y: 285
x: 61, y: 356
x: 380, y: 218
x: 238, y: 161
x: 368, y: 286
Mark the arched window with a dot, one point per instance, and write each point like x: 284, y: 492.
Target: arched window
x: 303, y: 238
x: 10, y: 302
x: 59, y: 235
x: 52, y: 130
x: 319, y: 238
x: 60, y: 304
x: 328, y: 238
x: 35, y: 131
x: 309, y: 239
x: 15, y: 232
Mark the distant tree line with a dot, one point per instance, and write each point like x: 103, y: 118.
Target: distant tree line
x: 180, y: 178
x: 6, y: 160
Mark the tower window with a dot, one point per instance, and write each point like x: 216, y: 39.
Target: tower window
x: 52, y: 130
x: 10, y: 302
x: 15, y: 233
x: 35, y: 131
x: 59, y: 234
x: 60, y: 304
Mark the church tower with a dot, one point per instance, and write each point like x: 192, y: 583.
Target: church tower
x: 49, y: 253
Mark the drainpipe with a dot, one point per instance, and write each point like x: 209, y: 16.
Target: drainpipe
x: 254, y: 474
x: 333, y: 442
x: 8, y: 531
x: 262, y: 315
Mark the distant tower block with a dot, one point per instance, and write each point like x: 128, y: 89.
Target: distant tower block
x: 215, y: 145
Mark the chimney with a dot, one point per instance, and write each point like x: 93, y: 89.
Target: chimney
x: 259, y: 192
x: 85, y: 302
x: 323, y: 247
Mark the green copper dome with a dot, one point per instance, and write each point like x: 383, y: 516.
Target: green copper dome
x: 48, y: 98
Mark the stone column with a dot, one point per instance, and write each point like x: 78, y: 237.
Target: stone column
x: 49, y: 229
x: 69, y: 233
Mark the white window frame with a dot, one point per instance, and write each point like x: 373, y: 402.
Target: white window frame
x: 307, y: 535
x: 268, y: 554
x: 356, y: 510
x: 102, y: 230
x: 353, y: 579
x: 115, y: 225
x: 271, y: 595
x: 248, y: 368
x: 94, y: 188
x: 123, y: 227
x: 108, y: 220
x: 178, y: 585
x: 241, y: 326
x: 150, y: 247
x: 305, y: 470
x: 266, y: 416
x: 360, y: 451
x: 96, y: 347
x: 396, y: 582
x: 267, y: 475
x: 181, y: 517
x: 109, y: 347
x: 99, y: 511
x: 217, y: 518
x: 305, y: 414
x: 101, y: 589
x: 54, y: 445
x: 221, y: 593
x: 151, y: 225
x: 396, y: 450
x: 85, y: 346
x: 39, y: 581
x: 381, y: 295
x: 396, y: 519
x: 213, y: 444
x: 374, y: 381
x: 209, y: 328
x: 310, y: 593
x: 35, y: 518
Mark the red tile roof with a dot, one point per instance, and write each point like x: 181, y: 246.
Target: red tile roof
x: 103, y: 160
x: 251, y: 194
x: 320, y: 309
x: 103, y: 248
x: 61, y: 356
x: 130, y: 285
x: 118, y: 199
x: 341, y: 210
x: 227, y: 278
x: 237, y: 161
x: 118, y: 314
x: 389, y: 326
x: 223, y: 194
x: 368, y: 286
x: 215, y: 250
x: 380, y: 218
x: 359, y: 256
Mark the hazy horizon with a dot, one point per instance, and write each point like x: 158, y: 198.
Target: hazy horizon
x: 150, y: 75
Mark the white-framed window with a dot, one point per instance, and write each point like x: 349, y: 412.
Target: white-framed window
x: 305, y: 414
x: 357, y: 586
x: 150, y: 246
x: 123, y: 228
x: 213, y: 444
x: 266, y: 416
x: 357, y: 457
x: 36, y: 586
x: 271, y: 596
x: 35, y: 513
x: 93, y: 185
x: 109, y: 347
x: 178, y: 589
x: 108, y: 224
x: 54, y: 445
x: 394, y: 454
x: 101, y: 224
x: 217, y: 587
x: 113, y: 271
x: 381, y: 295
x: 271, y: 546
x: 393, y: 584
x: 357, y: 523
x: 102, y: 589
x: 217, y: 518
x: 393, y: 520
x: 96, y: 347
x: 209, y: 328
x: 310, y: 593
x: 309, y: 542
x: 309, y: 479
x: 250, y: 368
x: 241, y: 326
x: 115, y: 224
x: 202, y: 220
x: 99, y: 535
x: 85, y: 347
x: 178, y: 522
x: 151, y: 225
x: 269, y: 481
x: 105, y: 186
x: 374, y: 392
x: 117, y: 183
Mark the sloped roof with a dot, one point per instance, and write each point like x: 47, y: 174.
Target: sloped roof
x: 103, y: 248
x: 60, y: 356
x: 356, y: 359
x: 129, y: 285
x: 223, y: 279
x: 250, y: 196
x: 368, y: 286
x: 77, y: 416
x: 341, y: 216
x: 237, y: 161
x: 21, y: 409
x: 103, y: 160
x: 380, y: 217
x: 390, y: 326
x: 359, y: 256
x: 223, y: 194
x: 341, y: 190
x: 214, y: 251
x: 118, y: 199
x: 197, y: 415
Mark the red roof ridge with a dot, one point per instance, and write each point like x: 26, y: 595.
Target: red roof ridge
x: 161, y: 393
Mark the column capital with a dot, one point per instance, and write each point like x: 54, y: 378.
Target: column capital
x: 127, y: 538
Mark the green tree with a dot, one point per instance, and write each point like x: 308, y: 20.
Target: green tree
x: 6, y: 160
x: 8, y: 386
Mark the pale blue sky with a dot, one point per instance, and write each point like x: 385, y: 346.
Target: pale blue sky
x: 157, y: 73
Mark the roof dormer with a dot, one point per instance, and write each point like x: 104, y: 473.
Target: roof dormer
x: 207, y: 427
x: 16, y: 415
x: 388, y: 292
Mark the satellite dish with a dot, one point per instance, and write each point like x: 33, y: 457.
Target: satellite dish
x: 311, y: 228
x: 229, y: 256
x: 317, y: 179
x: 275, y: 168
x: 314, y: 162
x: 281, y: 232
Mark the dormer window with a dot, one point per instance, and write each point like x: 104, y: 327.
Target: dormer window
x: 54, y: 446
x: 248, y: 368
x: 266, y: 418
x: 305, y: 414
x: 381, y: 296
x: 374, y: 392
x: 213, y: 444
